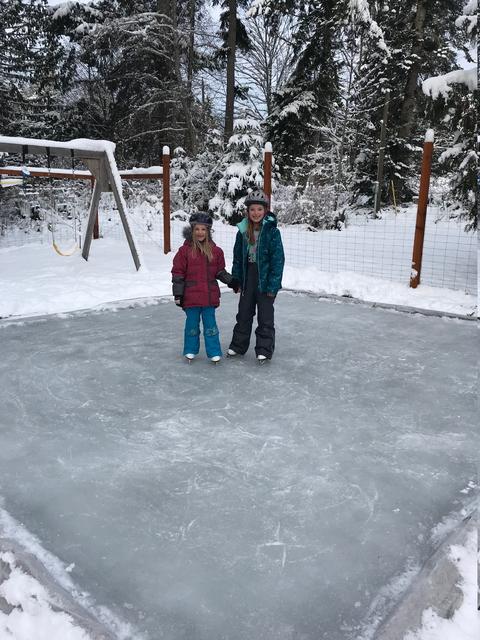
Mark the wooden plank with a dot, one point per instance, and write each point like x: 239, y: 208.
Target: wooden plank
x: 92, y: 214
x: 69, y: 174
x: 58, y: 174
x: 54, y: 147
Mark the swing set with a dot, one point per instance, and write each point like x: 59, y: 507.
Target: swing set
x: 103, y: 175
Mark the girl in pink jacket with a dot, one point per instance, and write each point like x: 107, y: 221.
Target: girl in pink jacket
x: 197, y: 266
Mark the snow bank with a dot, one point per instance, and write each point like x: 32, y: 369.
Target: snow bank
x: 34, y: 280
x: 38, y: 598
x: 354, y: 285
x: 465, y: 622
x: 29, y: 608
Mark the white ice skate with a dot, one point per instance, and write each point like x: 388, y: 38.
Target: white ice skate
x: 189, y: 357
x: 231, y: 353
x: 215, y: 359
x: 261, y: 359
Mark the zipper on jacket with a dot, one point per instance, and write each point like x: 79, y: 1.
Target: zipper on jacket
x: 258, y: 262
x: 208, y: 283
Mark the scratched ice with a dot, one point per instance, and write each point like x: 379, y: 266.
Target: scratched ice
x: 236, y: 501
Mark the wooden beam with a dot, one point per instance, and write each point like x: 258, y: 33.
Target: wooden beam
x: 69, y: 174
x: 52, y: 148
x: 422, y: 210
x: 92, y: 213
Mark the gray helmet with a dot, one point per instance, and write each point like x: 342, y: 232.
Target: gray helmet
x: 257, y: 197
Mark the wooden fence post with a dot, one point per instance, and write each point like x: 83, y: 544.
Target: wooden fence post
x: 166, y: 199
x: 267, y: 172
x: 422, y: 209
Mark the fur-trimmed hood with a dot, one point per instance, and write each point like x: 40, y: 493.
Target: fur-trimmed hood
x: 187, y: 233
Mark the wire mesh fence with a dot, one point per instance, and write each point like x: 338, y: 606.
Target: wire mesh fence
x: 376, y: 247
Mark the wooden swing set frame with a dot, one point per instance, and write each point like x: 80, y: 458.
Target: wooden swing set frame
x: 101, y: 176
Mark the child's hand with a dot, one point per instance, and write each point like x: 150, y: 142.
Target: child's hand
x: 235, y: 285
x: 179, y: 301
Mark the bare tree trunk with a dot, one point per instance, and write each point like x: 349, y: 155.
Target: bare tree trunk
x: 341, y: 150
x: 169, y: 9
x: 191, y: 46
x: 232, y: 40
x: 408, y: 111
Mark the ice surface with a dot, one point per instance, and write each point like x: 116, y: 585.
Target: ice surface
x: 236, y: 501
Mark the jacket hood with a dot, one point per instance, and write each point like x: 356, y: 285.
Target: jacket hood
x: 269, y: 219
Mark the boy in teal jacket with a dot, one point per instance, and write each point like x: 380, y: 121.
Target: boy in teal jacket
x: 258, y: 261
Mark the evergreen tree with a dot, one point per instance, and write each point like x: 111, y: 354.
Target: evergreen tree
x: 418, y: 37
x: 240, y: 170
x: 311, y: 94
x: 456, y: 95
x: 36, y: 70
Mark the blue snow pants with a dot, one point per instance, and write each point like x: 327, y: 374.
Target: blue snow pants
x: 191, y: 342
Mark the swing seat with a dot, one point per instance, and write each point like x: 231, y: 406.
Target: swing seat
x: 65, y: 254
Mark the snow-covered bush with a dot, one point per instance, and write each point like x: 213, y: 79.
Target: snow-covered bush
x: 312, y: 206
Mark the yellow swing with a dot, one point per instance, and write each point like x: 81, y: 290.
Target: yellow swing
x: 51, y: 224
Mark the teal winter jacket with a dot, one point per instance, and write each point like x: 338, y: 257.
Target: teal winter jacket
x: 270, y: 255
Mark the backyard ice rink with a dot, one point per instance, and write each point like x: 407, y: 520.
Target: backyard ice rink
x: 292, y: 501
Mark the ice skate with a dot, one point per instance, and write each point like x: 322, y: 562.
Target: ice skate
x: 189, y: 357
x: 261, y: 359
x: 231, y: 353
x: 215, y: 359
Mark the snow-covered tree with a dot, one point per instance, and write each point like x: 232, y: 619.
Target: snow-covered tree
x: 194, y: 179
x: 311, y: 93
x: 240, y: 170
x: 458, y: 91
x: 35, y: 70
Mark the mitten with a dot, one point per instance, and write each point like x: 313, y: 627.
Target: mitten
x: 234, y: 284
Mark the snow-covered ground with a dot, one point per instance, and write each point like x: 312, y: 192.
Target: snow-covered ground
x: 34, y: 279
x: 464, y: 624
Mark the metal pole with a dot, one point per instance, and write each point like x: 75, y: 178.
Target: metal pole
x: 166, y: 199
x: 422, y: 210
x: 381, y: 152
x: 267, y: 172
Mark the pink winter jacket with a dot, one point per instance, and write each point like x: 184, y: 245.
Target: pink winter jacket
x: 194, y: 277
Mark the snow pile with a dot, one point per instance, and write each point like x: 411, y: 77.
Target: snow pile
x: 465, y: 622
x: 354, y: 285
x: 27, y: 611
x: 35, y: 280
